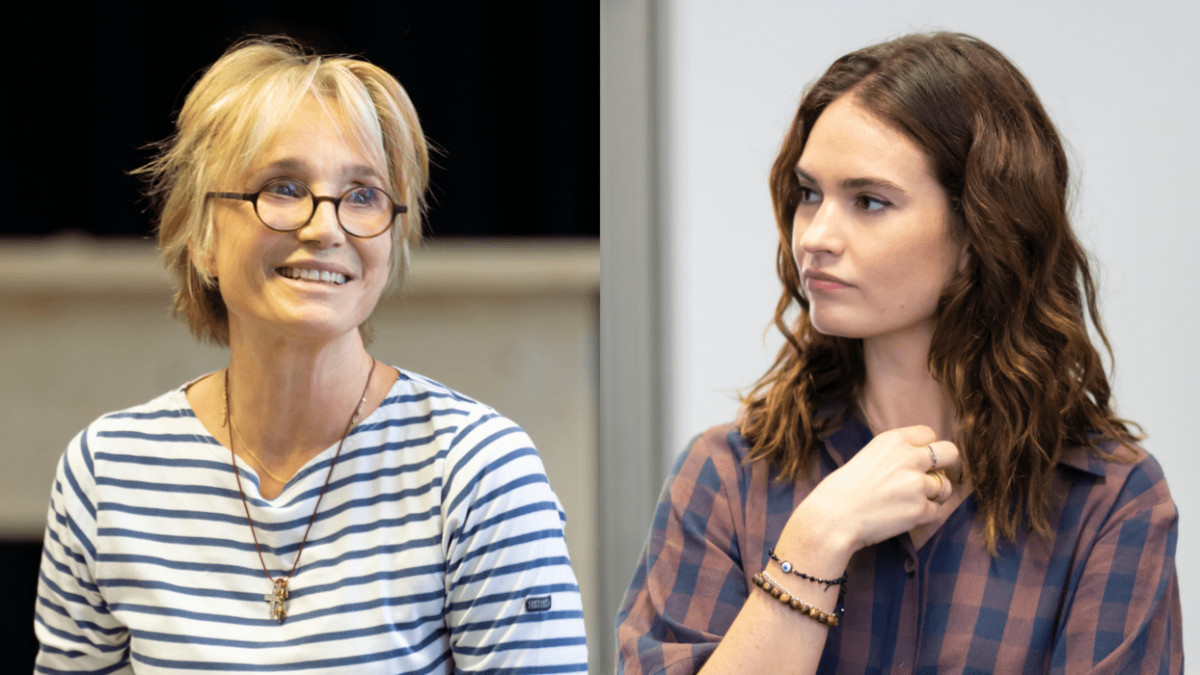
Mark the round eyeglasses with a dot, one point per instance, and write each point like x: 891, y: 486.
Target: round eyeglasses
x: 285, y: 205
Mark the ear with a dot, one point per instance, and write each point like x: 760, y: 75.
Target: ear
x: 961, y: 243
x: 204, y: 262
x: 964, y: 256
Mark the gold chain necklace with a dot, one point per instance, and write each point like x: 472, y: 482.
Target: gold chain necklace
x: 245, y: 445
x: 278, y: 596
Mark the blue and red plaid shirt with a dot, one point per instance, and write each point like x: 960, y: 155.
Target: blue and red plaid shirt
x: 1101, y: 596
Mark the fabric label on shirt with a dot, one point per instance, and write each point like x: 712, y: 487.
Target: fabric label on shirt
x: 539, y: 604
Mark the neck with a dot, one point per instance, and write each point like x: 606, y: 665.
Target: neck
x: 290, y: 400
x: 899, y: 390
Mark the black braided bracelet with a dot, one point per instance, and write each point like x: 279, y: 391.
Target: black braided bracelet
x: 787, y: 567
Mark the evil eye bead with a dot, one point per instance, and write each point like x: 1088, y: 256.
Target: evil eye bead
x: 787, y: 567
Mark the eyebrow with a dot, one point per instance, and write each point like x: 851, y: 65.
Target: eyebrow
x: 298, y: 165
x: 857, y: 183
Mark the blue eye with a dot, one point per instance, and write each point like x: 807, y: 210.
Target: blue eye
x: 363, y: 197
x: 285, y: 189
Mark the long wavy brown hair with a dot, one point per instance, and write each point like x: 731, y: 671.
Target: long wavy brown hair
x: 1011, y: 346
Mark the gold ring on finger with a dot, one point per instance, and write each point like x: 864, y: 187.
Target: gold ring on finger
x: 937, y: 495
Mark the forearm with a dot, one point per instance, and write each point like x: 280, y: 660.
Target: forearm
x: 769, y: 636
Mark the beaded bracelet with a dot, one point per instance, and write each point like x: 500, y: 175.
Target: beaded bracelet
x: 765, y: 582
x: 787, y: 567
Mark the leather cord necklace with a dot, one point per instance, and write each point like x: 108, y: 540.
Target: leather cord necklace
x: 278, y: 596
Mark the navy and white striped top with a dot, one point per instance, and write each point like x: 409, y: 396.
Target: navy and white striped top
x: 438, y: 548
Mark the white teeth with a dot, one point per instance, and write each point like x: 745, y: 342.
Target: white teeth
x: 319, y: 276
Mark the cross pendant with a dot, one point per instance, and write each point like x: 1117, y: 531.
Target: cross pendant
x: 277, y: 597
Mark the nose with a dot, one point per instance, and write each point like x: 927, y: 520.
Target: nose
x: 817, y: 232
x: 322, y: 230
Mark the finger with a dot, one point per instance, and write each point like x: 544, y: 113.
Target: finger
x: 935, y: 456
x: 933, y: 462
x: 939, y: 489
x: 933, y: 485
x: 948, y: 459
x: 917, y: 435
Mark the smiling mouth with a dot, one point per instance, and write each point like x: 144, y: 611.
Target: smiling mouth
x: 318, y: 276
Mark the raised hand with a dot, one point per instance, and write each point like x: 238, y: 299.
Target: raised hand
x: 889, y: 487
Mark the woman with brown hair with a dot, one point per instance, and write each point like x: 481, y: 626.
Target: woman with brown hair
x: 930, y: 477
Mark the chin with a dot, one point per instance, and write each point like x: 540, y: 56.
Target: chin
x: 324, y: 330
x: 848, y: 325
x: 835, y: 326
x: 313, y: 327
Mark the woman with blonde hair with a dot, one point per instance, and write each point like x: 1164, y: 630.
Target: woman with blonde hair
x: 307, y: 507
x: 930, y: 478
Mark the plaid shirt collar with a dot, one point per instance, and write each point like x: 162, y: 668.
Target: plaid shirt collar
x: 842, y: 442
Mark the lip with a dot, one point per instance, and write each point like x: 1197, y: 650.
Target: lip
x: 820, y: 281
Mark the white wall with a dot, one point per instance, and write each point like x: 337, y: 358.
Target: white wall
x: 1119, y: 80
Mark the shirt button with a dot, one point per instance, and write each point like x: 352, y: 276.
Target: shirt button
x: 910, y: 567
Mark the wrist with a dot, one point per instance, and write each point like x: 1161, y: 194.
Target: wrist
x: 778, y: 591
x: 817, y: 543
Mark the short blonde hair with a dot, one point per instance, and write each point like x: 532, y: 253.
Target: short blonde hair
x: 230, y: 117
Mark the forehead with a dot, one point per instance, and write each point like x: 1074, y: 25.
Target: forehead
x: 320, y: 136
x: 849, y: 141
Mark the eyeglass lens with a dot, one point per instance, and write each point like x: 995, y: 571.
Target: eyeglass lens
x: 287, y: 205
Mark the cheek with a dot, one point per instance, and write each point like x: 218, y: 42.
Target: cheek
x: 797, y: 252
x: 378, y: 260
x: 914, y: 273
x: 935, y: 261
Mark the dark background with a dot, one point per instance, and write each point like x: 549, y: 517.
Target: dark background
x: 508, y: 92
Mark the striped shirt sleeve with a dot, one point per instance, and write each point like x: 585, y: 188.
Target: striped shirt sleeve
x: 1125, y: 616
x: 76, y: 630
x: 513, y: 604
